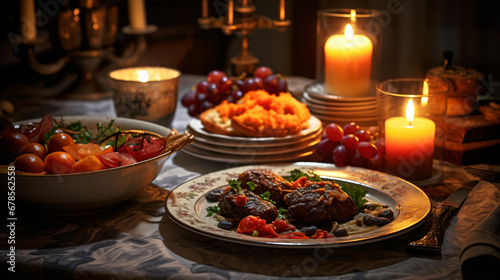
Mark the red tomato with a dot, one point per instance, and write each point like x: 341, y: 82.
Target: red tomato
x: 6, y: 128
x: 59, y: 163
x: 293, y: 235
x: 10, y: 145
x: 115, y: 159
x: 29, y: 163
x: 45, y: 125
x: 240, y: 200
x: 281, y: 226
x: 142, y: 148
x: 33, y: 148
x: 58, y: 141
x: 252, y: 224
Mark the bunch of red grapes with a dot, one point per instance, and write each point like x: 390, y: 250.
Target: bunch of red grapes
x: 350, y: 145
x: 218, y: 87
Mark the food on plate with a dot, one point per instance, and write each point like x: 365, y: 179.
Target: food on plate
x: 263, y: 181
x: 464, y: 85
x: 241, y: 203
x: 218, y: 87
x: 258, y: 114
x: 311, y: 207
x: 351, y: 145
x: 316, y: 203
x: 55, y: 147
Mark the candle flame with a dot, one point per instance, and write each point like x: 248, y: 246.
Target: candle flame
x: 348, y: 33
x: 410, y: 112
x: 143, y: 76
x: 353, y: 16
x: 425, y: 91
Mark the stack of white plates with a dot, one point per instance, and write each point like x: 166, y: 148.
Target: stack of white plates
x: 233, y: 149
x: 338, y: 109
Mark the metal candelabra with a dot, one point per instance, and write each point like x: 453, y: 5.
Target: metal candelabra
x: 242, y: 20
x: 86, y: 34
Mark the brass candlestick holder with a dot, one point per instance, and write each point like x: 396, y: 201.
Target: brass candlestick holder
x: 242, y: 20
x: 86, y: 34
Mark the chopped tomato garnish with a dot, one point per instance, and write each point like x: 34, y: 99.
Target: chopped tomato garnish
x: 240, y: 200
x: 252, y: 224
x: 281, y: 225
x: 299, y: 183
x: 319, y: 234
x: 292, y: 235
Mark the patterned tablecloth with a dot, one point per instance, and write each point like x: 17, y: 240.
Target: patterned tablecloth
x: 137, y: 240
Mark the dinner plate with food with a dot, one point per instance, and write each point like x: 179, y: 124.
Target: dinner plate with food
x: 259, y: 121
x: 298, y: 205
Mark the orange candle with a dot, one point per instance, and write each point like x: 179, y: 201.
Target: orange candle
x: 409, y: 144
x: 348, y: 63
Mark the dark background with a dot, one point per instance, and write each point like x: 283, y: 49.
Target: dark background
x: 412, y: 40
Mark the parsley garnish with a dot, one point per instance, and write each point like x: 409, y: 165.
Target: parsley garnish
x: 283, y: 214
x: 235, y: 185
x: 212, y: 210
x: 251, y: 186
x: 357, y: 193
x: 311, y: 176
x: 267, y: 197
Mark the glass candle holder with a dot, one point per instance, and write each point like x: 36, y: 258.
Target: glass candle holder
x: 411, y: 118
x: 348, y: 51
x: 146, y: 93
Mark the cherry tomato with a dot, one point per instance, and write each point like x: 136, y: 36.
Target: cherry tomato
x: 33, y: 148
x: 6, y: 128
x: 115, y: 159
x: 86, y: 164
x: 29, y: 163
x: 59, y: 163
x: 10, y: 145
x: 58, y: 141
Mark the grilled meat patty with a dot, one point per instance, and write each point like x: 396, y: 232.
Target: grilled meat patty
x: 265, y: 181
x: 252, y: 206
x: 319, y: 203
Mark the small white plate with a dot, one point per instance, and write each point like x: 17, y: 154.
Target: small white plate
x: 250, y: 143
x: 314, y: 125
x: 247, y: 159
x: 257, y: 151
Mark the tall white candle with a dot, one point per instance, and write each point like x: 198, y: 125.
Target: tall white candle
x: 27, y: 19
x: 137, y: 14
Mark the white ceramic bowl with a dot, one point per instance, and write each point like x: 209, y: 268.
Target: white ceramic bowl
x: 90, y: 190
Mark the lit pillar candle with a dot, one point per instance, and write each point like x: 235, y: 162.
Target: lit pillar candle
x: 409, y: 144
x: 348, y: 62
x: 137, y: 14
x: 28, y: 20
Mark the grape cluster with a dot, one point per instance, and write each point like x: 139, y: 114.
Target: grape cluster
x: 218, y: 87
x: 350, y: 145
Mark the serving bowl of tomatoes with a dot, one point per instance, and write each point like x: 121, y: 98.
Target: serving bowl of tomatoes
x: 77, y: 163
